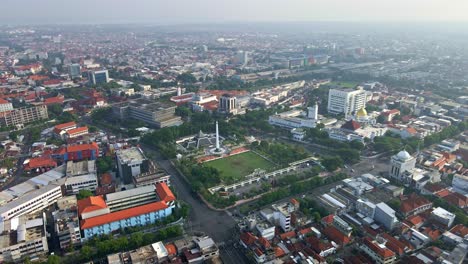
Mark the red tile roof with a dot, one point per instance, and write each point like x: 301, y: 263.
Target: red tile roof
x: 335, y: 235
x: 164, y: 192
x: 54, y: 100
x: 77, y: 130
x: 413, y: 202
x: 41, y: 162
x: 394, y: 244
x: 457, y: 199
x: 248, y: 238
x: 65, y: 125
x: 459, y: 230
x: 90, y: 204
x: 287, y: 235
x: 434, y: 234
x: 443, y: 193
x: 171, y: 249
x: 390, y: 112
x: 124, y: 214
x: 294, y: 201
x: 415, y: 220
x: 279, y: 252
x: 3, y: 101
x: 264, y: 242
x: 382, y: 252
x: 351, y: 125
x: 106, y: 179
x: 328, y: 219
x: 81, y: 147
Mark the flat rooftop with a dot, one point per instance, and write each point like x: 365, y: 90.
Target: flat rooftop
x: 128, y: 194
x: 130, y: 155
x: 81, y: 167
x: 150, y: 104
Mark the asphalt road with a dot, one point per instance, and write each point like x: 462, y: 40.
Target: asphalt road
x: 218, y: 225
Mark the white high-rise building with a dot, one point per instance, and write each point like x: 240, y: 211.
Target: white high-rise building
x: 312, y: 112
x: 346, y: 101
x: 401, y: 163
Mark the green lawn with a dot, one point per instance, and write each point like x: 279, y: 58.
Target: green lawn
x: 234, y: 168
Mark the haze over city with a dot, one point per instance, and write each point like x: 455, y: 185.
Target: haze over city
x: 221, y: 11
x: 235, y: 132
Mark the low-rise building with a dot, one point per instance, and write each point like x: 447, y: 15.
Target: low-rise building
x: 78, y: 152
x: 414, y: 204
x: 127, y: 210
x: 61, y: 129
x: 377, y: 252
x: 77, y: 132
x: 81, y: 175
x: 32, y: 195
x: 443, y: 216
x: 22, y: 237
x: 154, y: 113
x: 66, y: 222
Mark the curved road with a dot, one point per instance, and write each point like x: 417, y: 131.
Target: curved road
x: 218, y: 225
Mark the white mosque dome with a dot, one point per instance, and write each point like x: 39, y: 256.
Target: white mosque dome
x: 403, y: 155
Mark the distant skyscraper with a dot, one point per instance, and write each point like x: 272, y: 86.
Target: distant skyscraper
x: 98, y: 77
x: 227, y: 103
x: 242, y: 57
x: 74, y: 70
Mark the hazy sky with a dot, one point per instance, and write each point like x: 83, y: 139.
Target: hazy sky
x: 200, y: 11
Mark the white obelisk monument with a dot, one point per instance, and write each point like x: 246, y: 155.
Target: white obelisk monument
x: 217, y: 137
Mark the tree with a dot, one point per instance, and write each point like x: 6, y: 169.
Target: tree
x: 349, y: 155
x: 53, y: 259
x: 136, y: 240
x: 92, y: 129
x: 356, y: 144
x: 86, y: 253
x: 55, y: 110
x: 182, y: 111
x: 104, y: 164
x: 381, y: 119
x: 394, y: 204
x: 332, y: 163
x: 84, y: 194
x: 186, y: 77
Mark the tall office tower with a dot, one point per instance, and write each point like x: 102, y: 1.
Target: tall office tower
x: 346, y: 101
x: 227, y: 103
x: 74, y: 70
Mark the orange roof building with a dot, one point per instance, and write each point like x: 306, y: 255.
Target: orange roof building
x: 79, y: 152
x: 62, y: 128
x: 76, y: 132
x: 379, y: 253
x: 98, y: 218
x: 336, y: 236
x: 414, y: 204
x: 40, y: 163
x: 91, y: 204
